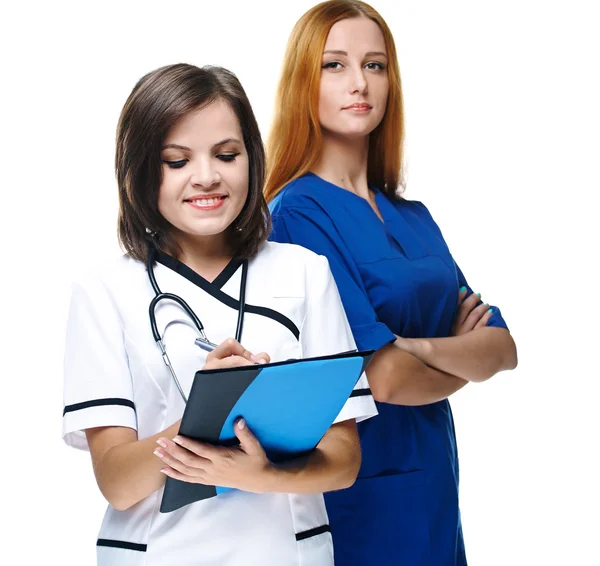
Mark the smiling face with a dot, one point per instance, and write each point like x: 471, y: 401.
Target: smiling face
x: 204, y: 174
x: 354, y: 82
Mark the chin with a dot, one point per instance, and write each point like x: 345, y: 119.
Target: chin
x: 353, y: 131
x: 356, y: 132
x: 206, y: 228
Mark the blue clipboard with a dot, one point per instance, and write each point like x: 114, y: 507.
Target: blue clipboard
x: 288, y: 406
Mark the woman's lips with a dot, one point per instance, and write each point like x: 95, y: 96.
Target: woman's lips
x: 359, y: 107
x: 206, y: 203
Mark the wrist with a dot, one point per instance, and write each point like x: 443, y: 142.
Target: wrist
x: 420, y: 348
x: 272, y: 478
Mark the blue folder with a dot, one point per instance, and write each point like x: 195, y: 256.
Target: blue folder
x: 288, y: 406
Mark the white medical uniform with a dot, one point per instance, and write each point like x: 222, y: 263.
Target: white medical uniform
x: 115, y: 376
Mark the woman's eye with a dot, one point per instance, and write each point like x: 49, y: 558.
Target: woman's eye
x: 332, y: 65
x: 375, y: 66
x: 175, y: 164
x: 227, y: 157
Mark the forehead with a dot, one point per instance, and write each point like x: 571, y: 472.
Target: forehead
x: 209, y: 124
x: 355, y: 34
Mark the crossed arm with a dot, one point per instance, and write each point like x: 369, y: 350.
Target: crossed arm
x: 420, y: 371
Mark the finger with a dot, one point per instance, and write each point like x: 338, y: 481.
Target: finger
x: 230, y: 362
x: 195, y: 448
x: 175, y: 463
x: 485, y: 318
x: 475, y: 316
x: 262, y: 358
x: 466, y: 307
x: 462, y: 293
x: 229, y: 347
x: 172, y: 473
x: 248, y: 442
x: 191, y: 458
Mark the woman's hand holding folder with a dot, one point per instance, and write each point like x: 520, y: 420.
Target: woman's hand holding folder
x: 244, y: 466
x: 333, y: 464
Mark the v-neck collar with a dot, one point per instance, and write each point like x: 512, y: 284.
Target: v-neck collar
x: 352, y: 194
x: 391, y: 221
x: 185, y: 271
x: 213, y: 288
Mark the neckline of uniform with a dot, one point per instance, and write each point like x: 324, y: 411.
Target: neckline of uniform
x: 180, y: 268
x: 379, y: 197
x: 191, y: 275
x: 337, y: 187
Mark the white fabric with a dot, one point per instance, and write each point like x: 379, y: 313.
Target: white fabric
x: 112, y: 364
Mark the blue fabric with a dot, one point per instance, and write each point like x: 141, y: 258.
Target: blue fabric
x: 394, y: 277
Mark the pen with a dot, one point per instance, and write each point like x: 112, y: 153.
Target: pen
x: 205, y: 344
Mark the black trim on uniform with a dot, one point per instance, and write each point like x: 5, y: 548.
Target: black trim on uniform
x: 313, y: 532
x: 227, y: 273
x: 360, y: 392
x: 215, y: 290
x: 122, y: 544
x: 98, y: 403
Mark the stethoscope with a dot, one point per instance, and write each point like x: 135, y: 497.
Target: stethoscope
x: 202, y: 341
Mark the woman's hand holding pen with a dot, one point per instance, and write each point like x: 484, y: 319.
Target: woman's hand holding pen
x: 245, y: 466
x: 231, y: 353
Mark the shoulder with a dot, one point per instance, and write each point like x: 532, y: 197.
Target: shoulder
x: 303, y: 192
x: 289, y: 265
x: 286, y: 256
x: 409, y: 205
x: 111, y: 276
x: 413, y: 208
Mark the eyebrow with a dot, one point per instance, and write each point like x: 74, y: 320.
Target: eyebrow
x: 182, y: 147
x: 369, y: 54
x: 227, y: 140
x: 175, y: 146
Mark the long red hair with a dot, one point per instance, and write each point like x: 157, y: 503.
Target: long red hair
x: 295, y: 141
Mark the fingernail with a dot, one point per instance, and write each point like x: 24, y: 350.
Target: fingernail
x: 164, y: 471
x: 490, y: 311
x: 241, y: 424
x: 177, y: 440
x: 262, y: 361
x: 161, y: 443
x: 158, y: 453
x: 463, y: 289
x: 479, y: 295
x: 487, y: 304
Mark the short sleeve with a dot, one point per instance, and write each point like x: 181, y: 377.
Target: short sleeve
x: 496, y: 318
x: 325, y: 331
x: 313, y: 229
x: 97, y: 382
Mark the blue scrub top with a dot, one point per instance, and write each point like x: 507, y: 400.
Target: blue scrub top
x: 394, y: 277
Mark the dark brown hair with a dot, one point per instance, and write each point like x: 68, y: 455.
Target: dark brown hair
x: 158, y: 101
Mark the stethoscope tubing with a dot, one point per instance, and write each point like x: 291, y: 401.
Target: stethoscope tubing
x: 203, y: 342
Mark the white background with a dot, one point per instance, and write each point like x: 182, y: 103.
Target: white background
x: 503, y: 141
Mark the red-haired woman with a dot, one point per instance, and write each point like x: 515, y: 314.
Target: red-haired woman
x: 334, y: 169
